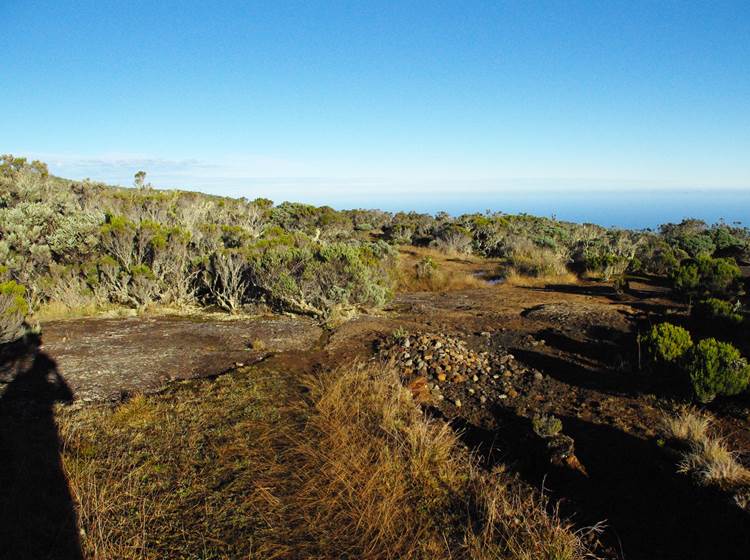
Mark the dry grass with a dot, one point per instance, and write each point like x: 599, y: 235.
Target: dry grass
x: 706, y: 457
x: 56, y: 311
x: 449, y: 273
x: 383, y: 481
x: 529, y: 259
x: 196, y: 473
x: 244, y: 467
x: 438, y: 281
x: 514, y: 278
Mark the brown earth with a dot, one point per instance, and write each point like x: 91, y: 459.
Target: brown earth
x: 575, y: 355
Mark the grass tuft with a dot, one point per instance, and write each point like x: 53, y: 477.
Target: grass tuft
x: 706, y: 458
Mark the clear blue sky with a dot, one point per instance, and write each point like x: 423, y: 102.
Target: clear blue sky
x: 306, y: 100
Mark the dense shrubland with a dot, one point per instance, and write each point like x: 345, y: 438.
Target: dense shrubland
x: 86, y: 246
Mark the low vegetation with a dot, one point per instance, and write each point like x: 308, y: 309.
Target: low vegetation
x: 665, y: 345
x: 720, y: 313
x: 711, y: 367
x: 267, y: 464
x: 705, y: 457
x: 241, y: 467
x: 427, y: 270
x: 707, y: 277
x: 716, y: 368
x: 84, y: 246
x: 13, y: 310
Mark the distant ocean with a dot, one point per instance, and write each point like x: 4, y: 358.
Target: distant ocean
x: 634, y: 209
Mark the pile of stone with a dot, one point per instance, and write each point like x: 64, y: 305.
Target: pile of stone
x: 440, y: 369
x: 436, y: 357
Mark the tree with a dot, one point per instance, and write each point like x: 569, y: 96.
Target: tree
x: 139, y: 181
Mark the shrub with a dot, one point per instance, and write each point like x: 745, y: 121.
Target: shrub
x: 13, y: 310
x: 718, y: 311
x: 317, y: 278
x: 142, y: 285
x: 706, y: 276
x: 532, y: 260
x: 665, y: 344
x: 607, y: 254
x: 716, y: 368
x: 453, y: 240
x: 656, y: 256
x: 425, y: 268
x: 691, y: 236
x: 546, y: 426
x: 226, y: 279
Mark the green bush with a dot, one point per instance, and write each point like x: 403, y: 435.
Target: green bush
x: 665, y: 344
x: 656, y: 256
x: 718, y: 311
x: 317, y: 278
x: 716, y: 368
x: 425, y: 268
x: 13, y: 310
x: 546, y: 426
x: 707, y: 277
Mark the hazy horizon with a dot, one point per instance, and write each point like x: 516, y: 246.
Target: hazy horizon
x: 578, y: 201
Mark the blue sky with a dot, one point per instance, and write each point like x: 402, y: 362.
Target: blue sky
x: 365, y: 101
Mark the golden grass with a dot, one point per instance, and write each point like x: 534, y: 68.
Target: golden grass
x: 531, y: 260
x: 384, y: 481
x: 514, y: 278
x: 438, y: 281
x: 56, y: 311
x: 191, y: 474
x: 245, y: 467
x: 449, y: 274
x: 707, y: 457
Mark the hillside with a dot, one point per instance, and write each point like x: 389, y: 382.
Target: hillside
x: 191, y: 376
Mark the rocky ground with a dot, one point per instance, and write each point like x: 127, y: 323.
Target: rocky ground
x: 497, y: 362
x: 108, y: 359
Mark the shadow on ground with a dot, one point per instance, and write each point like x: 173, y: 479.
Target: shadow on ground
x: 37, y: 515
x: 651, y: 512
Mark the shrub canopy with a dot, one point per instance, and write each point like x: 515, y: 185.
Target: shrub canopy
x: 716, y: 368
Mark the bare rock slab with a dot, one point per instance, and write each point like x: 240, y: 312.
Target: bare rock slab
x: 102, y: 359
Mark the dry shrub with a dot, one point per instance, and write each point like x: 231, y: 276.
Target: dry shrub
x: 384, y: 481
x: 706, y: 457
x: 529, y: 259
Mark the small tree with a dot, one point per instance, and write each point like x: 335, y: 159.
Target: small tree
x: 139, y: 181
x: 226, y: 279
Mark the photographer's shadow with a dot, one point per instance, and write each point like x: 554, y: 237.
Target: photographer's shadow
x: 37, y: 514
